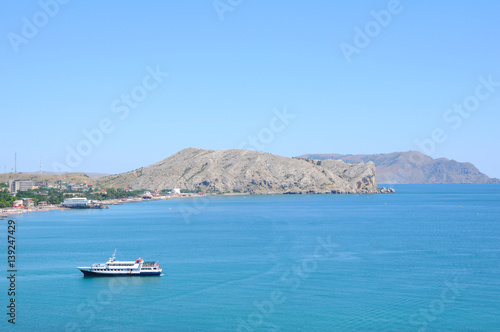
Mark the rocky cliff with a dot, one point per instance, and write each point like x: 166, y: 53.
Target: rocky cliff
x: 413, y: 167
x: 244, y: 171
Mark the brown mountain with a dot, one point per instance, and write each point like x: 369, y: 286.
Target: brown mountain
x: 245, y: 171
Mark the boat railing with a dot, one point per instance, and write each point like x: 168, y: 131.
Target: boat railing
x: 150, y: 264
x: 98, y: 265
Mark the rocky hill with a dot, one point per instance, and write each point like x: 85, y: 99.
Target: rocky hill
x: 244, y: 171
x: 413, y: 167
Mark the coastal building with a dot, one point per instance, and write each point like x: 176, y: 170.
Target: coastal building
x: 42, y: 204
x: 28, y: 202
x: 76, y: 188
x: 77, y: 202
x: 176, y: 191
x: 18, y: 203
x: 82, y: 203
x: 20, y: 185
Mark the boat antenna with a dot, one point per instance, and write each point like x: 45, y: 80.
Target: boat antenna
x: 114, y: 254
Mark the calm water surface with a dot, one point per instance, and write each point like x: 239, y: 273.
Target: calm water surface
x: 425, y: 258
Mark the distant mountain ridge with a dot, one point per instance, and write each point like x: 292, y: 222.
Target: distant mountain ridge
x: 76, y: 177
x: 92, y: 175
x: 413, y: 167
x: 245, y: 171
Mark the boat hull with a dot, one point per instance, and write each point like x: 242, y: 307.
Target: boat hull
x: 87, y: 273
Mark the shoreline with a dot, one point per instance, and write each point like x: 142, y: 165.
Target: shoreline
x: 12, y: 211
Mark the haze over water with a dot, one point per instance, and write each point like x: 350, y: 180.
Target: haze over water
x: 424, y: 258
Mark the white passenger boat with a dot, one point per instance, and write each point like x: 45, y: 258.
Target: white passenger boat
x: 114, y: 268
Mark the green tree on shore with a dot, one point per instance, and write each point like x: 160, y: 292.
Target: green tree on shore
x: 6, y: 200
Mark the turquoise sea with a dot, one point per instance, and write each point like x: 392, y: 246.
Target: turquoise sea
x: 424, y: 259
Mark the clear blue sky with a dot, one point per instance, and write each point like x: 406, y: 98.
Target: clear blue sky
x: 227, y: 77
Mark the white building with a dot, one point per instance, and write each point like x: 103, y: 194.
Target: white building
x: 76, y: 202
x: 18, y: 203
x: 176, y: 191
x: 28, y: 202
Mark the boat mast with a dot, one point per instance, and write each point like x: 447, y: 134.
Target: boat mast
x: 112, y: 259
